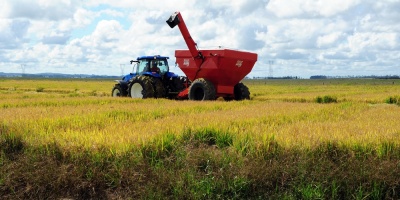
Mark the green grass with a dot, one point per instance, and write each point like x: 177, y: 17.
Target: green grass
x: 393, y: 100
x: 326, y: 99
x: 171, y: 167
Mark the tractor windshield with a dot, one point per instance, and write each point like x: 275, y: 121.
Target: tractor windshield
x: 146, y: 65
x: 163, y: 65
x: 143, y: 66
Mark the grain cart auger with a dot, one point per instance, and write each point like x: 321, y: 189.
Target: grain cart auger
x: 214, y: 73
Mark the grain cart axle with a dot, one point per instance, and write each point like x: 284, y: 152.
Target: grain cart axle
x: 214, y: 72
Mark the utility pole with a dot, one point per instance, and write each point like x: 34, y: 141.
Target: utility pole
x: 271, y: 72
x: 23, y: 68
x: 122, y: 66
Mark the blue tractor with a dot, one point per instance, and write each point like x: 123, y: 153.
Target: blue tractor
x: 150, y: 78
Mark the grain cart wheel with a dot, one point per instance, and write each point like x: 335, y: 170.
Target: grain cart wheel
x: 159, y: 90
x: 117, y: 91
x: 202, y: 89
x: 141, y: 87
x: 241, y: 92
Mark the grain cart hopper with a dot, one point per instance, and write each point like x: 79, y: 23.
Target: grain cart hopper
x: 214, y: 73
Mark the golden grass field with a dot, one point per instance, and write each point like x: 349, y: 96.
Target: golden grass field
x: 79, y: 115
x: 82, y: 113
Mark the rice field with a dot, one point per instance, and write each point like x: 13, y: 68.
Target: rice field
x: 298, y: 130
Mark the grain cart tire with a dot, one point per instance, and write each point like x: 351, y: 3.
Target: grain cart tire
x: 159, y: 90
x: 117, y: 91
x: 141, y: 87
x: 241, y: 92
x: 202, y: 89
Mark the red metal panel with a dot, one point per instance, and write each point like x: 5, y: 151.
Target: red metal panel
x: 223, y: 67
x: 222, y: 89
x: 183, y: 94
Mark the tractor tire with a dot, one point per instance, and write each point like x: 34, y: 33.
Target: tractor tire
x: 117, y: 91
x: 159, y: 89
x: 202, y: 89
x: 141, y: 87
x: 241, y: 92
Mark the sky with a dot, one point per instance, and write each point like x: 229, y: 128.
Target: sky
x: 291, y: 37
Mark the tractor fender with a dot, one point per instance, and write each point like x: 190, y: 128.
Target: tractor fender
x: 128, y: 77
x: 171, y: 75
x: 123, y: 84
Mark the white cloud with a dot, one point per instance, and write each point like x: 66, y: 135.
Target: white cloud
x: 80, y: 19
x: 56, y: 38
x: 171, y: 5
x: 372, y: 41
x: 42, y: 9
x: 303, y: 37
x: 329, y: 40
x: 5, y: 9
x: 13, y: 33
x: 309, y: 8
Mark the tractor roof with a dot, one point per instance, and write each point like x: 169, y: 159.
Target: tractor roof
x: 153, y: 57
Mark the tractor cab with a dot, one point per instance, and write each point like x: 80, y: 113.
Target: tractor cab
x: 156, y: 66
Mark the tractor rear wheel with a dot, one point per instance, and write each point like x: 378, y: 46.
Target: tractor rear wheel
x: 141, y: 87
x: 202, y: 89
x: 159, y: 90
x: 241, y: 92
x: 117, y: 91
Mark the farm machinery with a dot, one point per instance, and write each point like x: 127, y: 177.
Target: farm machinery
x: 211, y: 73
x: 150, y: 78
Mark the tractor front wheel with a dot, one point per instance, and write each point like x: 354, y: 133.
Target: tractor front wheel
x: 117, y: 91
x: 202, y: 89
x: 141, y: 87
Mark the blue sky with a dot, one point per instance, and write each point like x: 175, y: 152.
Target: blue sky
x: 300, y: 37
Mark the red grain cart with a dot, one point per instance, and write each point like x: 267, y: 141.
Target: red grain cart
x: 214, y: 72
